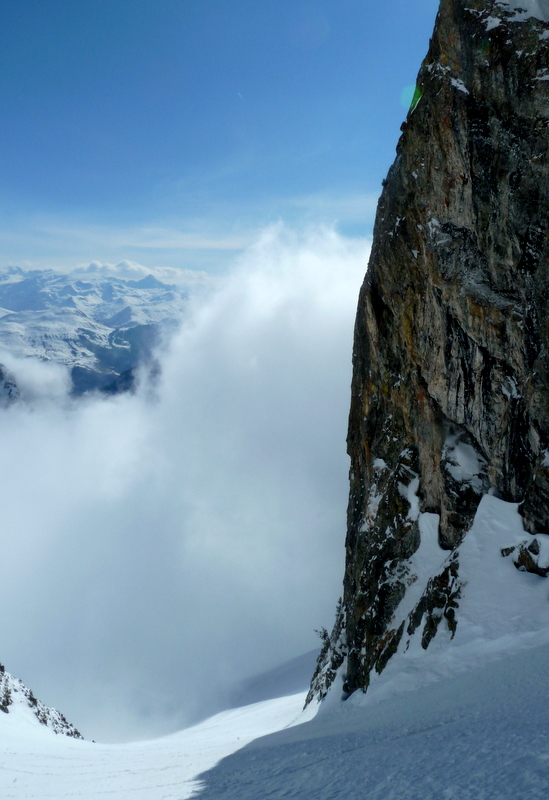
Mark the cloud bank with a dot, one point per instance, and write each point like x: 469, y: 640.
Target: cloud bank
x: 160, y: 547
x: 132, y: 270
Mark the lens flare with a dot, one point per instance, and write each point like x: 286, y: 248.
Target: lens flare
x: 410, y: 96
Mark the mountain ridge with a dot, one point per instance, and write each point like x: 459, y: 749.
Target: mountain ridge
x: 99, y: 327
x: 16, y: 699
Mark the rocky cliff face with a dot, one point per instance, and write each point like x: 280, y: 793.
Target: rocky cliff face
x: 450, y: 392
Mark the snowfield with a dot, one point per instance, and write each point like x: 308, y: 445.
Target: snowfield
x: 36, y: 763
x: 482, y: 734
x: 467, y: 718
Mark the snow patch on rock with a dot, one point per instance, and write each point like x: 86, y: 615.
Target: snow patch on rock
x: 525, y: 9
x: 26, y: 712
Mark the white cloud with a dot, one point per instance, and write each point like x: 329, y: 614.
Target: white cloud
x: 157, y: 550
x: 38, y: 381
x: 132, y: 270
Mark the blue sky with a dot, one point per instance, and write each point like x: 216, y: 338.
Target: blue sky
x: 170, y: 132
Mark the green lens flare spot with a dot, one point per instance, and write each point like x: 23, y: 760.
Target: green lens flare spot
x: 410, y: 97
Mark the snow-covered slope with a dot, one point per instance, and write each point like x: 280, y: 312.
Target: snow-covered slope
x: 467, y: 719
x: 97, y: 326
x: 484, y: 734
x: 26, y: 713
x: 503, y: 609
x: 42, y: 767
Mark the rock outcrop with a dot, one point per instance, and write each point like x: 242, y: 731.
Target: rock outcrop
x: 9, y: 391
x: 15, y: 695
x: 450, y: 391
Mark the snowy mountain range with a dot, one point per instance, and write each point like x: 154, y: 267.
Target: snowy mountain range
x: 99, y: 327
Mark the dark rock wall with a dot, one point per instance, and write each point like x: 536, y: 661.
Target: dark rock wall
x: 450, y: 388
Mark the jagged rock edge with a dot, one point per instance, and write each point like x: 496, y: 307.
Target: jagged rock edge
x: 49, y: 717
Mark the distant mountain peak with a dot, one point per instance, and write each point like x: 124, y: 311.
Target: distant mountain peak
x: 8, y: 387
x: 149, y: 282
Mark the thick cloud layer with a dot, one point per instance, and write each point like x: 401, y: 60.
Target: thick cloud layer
x: 159, y: 547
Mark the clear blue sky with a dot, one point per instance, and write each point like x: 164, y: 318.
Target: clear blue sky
x: 169, y: 132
